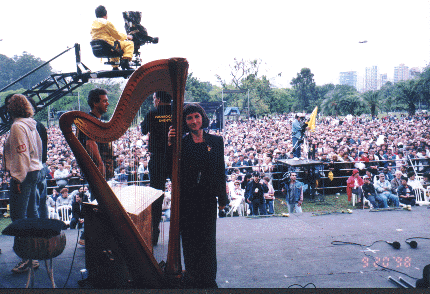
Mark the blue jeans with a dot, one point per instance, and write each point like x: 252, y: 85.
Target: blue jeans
x: 259, y: 208
x: 24, y: 205
x: 297, y: 151
x: 167, y: 214
x: 74, y: 222
x: 408, y: 201
x: 42, y: 192
x: 391, y: 198
x: 269, y: 206
x: 378, y: 201
x: 294, y: 208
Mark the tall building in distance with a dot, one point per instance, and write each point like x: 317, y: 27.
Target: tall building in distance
x: 401, y: 73
x: 371, y: 79
x: 383, y: 79
x: 348, y: 78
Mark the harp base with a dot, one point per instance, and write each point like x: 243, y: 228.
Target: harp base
x: 104, y: 259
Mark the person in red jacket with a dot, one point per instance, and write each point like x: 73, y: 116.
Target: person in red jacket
x: 353, y: 185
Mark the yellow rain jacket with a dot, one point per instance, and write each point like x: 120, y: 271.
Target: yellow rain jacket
x: 102, y: 29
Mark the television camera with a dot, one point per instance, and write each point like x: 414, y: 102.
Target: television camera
x: 103, y: 49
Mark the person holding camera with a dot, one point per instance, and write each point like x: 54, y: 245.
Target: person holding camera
x: 297, y: 133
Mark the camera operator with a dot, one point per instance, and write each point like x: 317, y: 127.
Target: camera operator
x: 298, y: 128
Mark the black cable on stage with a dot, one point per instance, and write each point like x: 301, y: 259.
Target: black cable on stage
x: 352, y: 243
x: 424, y: 238
x: 305, y: 286
x: 73, y: 259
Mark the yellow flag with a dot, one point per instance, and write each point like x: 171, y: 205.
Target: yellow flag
x: 312, y: 119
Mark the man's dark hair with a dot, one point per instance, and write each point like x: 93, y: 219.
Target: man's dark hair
x: 248, y: 176
x: 7, y: 98
x: 94, y: 96
x: 163, y: 96
x: 410, y: 174
x: 101, y: 11
x: 32, y: 102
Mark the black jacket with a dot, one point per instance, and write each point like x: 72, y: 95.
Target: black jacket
x: 252, y: 194
x: 203, y: 169
x: 157, y: 123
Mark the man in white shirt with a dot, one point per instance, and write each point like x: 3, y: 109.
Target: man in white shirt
x: 61, y: 175
x: 383, y: 188
x: 414, y: 183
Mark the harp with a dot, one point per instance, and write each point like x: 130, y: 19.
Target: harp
x: 131, y: 248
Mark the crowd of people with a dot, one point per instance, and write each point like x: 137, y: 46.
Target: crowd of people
x: 386, y: 145
x: 237, y: 167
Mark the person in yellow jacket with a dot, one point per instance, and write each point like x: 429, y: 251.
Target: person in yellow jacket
x: 102, y: 29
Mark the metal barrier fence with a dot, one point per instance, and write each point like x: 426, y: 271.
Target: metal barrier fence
x: 341, y: 171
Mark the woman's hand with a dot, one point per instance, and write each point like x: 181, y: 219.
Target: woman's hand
x: 171, y: 135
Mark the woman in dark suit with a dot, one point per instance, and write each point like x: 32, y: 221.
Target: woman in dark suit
x: 202, y: 180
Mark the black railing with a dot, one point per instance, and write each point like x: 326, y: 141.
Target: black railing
x: 277, y: 175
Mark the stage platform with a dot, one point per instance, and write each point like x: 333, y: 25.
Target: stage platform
x: 277, y: 252
x: 299, y: 162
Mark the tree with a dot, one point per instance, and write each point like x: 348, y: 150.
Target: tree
x: 244, y: 74
x: 240, y: 70
x: 197, y: 91
x: 342, y: 100
x: 323, y: 90
x: 305, y: 90
x: 408, y: 93
x: 18, y: 66
x: 386, y: 95
x: 283, y: 100
x: 371, y: 98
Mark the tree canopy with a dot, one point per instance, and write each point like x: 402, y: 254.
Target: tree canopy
x: 256, y: 92
x: 17, y: 66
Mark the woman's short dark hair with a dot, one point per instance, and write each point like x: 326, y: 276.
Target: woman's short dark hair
x: 192, y: 108
x: 101, y: 11
x: 94, y: 96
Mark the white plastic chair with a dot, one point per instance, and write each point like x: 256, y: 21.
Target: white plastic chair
x: 52, y: 212
x: 237, y: 205
x: 354, y: 198
x: 420, y: 197
x: 65, y: 213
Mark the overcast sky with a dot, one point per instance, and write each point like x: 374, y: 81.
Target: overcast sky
x: 286, y: 35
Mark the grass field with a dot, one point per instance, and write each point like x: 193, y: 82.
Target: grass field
x: 4, y: 222
x: 331, y: 203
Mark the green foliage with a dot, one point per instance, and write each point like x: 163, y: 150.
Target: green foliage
x: 196, y: 91
x: 372, y: 100
x: 342, y: 100
x: 305, y: 90
x: 409, y: 94
x: 283, y: 100
x: 263, y: 98
x: 16, y: 67
x: 258, y: 92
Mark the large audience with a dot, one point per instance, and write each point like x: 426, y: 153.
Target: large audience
x: 387, y: 144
